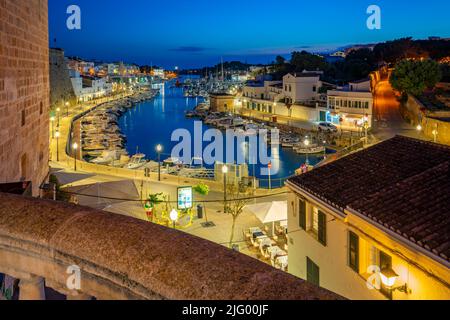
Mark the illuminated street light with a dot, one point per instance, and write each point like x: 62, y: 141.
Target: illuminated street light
x: 306, y: 142
x: 52, y: 121
x: 75, y: 148
x: 419, y: 127
x: 389, y: 278
x: 174, y: 217
x: 225, y: 171
x: 67, y: 104
x: 57, y: 135
x: 58, y: 110
x: 159, y: 149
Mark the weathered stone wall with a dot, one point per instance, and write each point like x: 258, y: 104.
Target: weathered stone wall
x: 61, y: 89
x: 24, y: 91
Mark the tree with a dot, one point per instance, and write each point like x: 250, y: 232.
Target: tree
x: 237, y: 199
x: 414, y: 77
x: 203, y: 190
x: 306, y: 61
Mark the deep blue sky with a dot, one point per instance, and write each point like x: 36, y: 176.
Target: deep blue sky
x: 191, y: 33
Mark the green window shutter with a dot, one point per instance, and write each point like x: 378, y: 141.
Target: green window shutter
x: 322, y: 228
x: 312, y: 272
x: 353, y: 251
x: 302, y: 214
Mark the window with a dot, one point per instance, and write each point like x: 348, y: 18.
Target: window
x: 41, y: 108
x: 322, y: 228
x: 302, y: 214
x: 314, y: 89
x: 315, y: 222
x: 353, y: 251
x: 23, y: 117
x: 312, y: 272
x: 319, y: 226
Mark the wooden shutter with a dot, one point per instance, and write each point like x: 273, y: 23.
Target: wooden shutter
x: 353, y: 251
x: 322, y: 236
x: 312, y: 272
x: 302, y: 214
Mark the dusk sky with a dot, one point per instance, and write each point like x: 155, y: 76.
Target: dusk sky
x: 196, y: 33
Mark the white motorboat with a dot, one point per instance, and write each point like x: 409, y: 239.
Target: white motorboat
x: 137, y: 161
x: 172, y: 162
x: 106, y: 158
x: 310, y: 150
x: 289, y: 142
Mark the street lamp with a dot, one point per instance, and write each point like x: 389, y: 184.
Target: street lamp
x: 174, y: 217
x: 389, y: 277
x: 224, y: 171
x: 307, y: 143
x: 75, y: 148
x: 57, y: 134
x: 58, y: 110
x: 159, y: 149
x: 67, y: 108
x: 52, y: 121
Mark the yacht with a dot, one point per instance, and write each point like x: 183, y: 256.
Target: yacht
x: 137, y: 161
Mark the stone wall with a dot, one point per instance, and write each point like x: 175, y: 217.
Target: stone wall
x: 61, y: 89
x: 24, y: 91
x: 439, y: 122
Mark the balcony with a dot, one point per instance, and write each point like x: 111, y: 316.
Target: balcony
x: 123, y: 258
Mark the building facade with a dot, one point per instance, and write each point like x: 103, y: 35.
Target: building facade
x: 223, y: 102
x: 350, y: 107
x: 354, y: 229
x: 24, y: 92
x: 297, y: 96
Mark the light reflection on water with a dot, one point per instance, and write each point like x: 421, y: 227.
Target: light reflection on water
x: 152, y: 123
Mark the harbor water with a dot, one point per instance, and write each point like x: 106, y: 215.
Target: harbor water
x: 152, y: 122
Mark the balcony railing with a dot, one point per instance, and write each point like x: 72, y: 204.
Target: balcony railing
x: 118, y: 257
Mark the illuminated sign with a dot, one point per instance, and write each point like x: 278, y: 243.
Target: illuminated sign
x: 185, y: 199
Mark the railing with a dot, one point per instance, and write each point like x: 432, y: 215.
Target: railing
x: 116, y: 257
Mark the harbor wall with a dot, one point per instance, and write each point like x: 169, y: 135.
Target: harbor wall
x: 24, y: 92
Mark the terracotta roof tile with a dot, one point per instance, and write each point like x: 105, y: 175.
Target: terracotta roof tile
x: 402, y: 184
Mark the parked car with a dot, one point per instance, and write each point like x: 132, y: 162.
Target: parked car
x: 327, y: 127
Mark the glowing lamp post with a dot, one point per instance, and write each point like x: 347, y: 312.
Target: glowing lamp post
x: 75, y: 148
x: 174, y: 217
x: 224, y: 172
x: 52, y: 121
x: 159, y: 149
x: 307, y: 143
x: 67, y: 108
x: 389, y: 278
x: 58, y: 110
x: 57, y: 135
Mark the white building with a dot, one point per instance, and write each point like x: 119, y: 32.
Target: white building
x: 350, y: 107
x: 372, y: 216
x: 87, y: 88
x: 297, y: 96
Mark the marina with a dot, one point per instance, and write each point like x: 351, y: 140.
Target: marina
x: 151, y: 123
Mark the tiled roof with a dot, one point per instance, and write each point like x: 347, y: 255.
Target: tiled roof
x: 402, y: 183
x: 417, y: 208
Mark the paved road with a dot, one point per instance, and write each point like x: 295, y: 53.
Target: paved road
x: 388, y: 120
